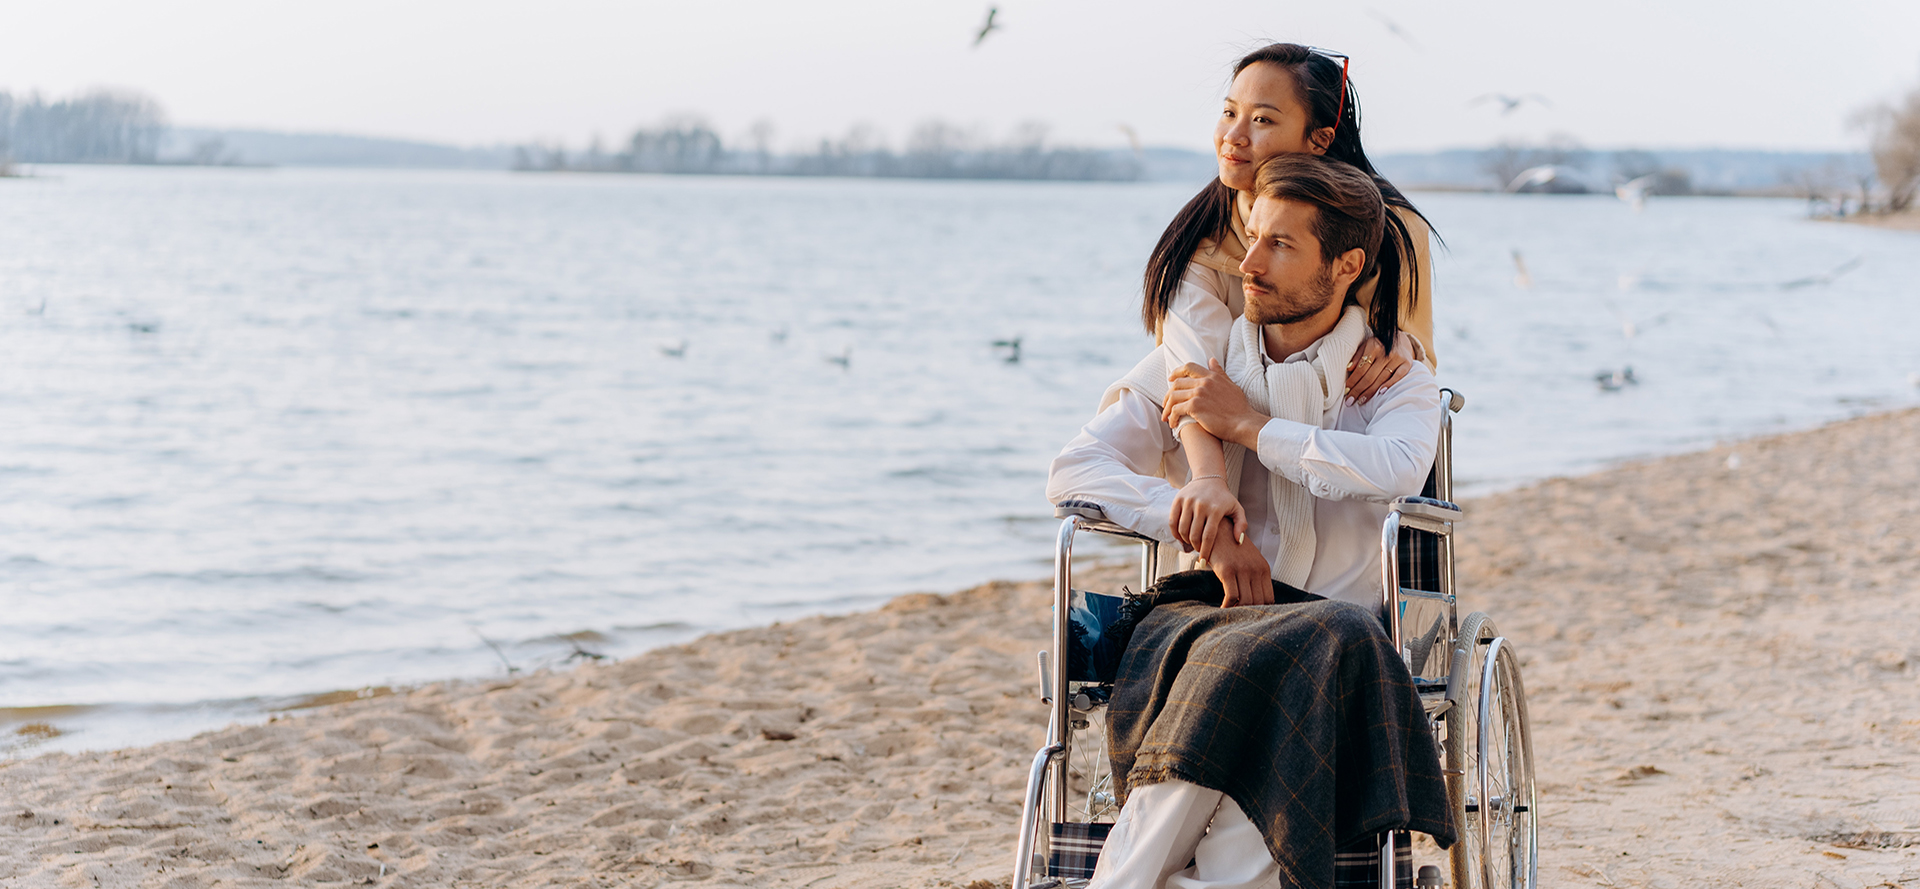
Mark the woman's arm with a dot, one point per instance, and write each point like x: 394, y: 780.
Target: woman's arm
x: 1194, y: 330
x: 1205, y: 507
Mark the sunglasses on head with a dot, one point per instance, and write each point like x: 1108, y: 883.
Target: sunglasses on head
x: 1340, y: 57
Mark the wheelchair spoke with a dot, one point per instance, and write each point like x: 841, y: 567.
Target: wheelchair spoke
x: 1096, y: 769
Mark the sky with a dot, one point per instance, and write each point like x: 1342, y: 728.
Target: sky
x: 1625, y: 73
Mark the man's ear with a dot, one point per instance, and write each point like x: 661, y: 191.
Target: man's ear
x: 1348, y: 266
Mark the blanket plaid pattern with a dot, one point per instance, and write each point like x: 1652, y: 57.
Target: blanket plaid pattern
x: 1300, y: 711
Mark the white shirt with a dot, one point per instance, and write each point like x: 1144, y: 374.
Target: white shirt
x: 1354, y: 463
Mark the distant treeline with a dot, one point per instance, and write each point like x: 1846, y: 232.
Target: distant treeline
x: 1674, y: 171
x: 934, y: 150
x: 104, y: 126
x: 121, y: 126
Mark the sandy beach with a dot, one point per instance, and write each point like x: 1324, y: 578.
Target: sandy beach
x: 1718, y: 648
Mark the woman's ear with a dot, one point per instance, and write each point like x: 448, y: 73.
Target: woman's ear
x: 1320, y: 140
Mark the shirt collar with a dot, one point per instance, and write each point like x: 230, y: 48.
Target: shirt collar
x: 1309, y: 353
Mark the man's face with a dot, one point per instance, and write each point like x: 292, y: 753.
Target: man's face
x: 1286, y: 279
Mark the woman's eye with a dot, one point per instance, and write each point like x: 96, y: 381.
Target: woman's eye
x: 1262, y: 120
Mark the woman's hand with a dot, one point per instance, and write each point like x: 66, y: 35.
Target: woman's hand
x: 1202, y: 511
x: 1373, y: 368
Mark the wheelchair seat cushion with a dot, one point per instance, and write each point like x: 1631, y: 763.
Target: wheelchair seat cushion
x: 1301, y: 712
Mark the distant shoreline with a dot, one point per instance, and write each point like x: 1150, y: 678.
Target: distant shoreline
x: 1906, y: 222
x: 28, y: 171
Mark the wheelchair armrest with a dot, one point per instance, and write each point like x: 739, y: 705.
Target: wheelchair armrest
x: 1094, y: 518
x: 1428, y: 508
x: 1081, y: 508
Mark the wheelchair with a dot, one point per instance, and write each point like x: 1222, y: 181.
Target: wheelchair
x: 1466, y: 673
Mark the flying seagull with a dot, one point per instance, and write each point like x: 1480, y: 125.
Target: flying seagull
x: 1013, y: 349
x: 1521, y: 277
x: 1635, y: 191
x: 1541, y: 175
x: 1628, y: 327
x: 677, y: 350
x: 1827, y: 278
x: 1395, y: 29
x: 1133, y: 138
x: 844, y: 359
x: 987, y: 28
x: 1509, y: 103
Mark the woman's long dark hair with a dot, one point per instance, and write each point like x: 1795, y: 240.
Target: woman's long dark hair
x: 1210, y: 213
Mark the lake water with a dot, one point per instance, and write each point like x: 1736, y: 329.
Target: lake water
x: 271, y: 432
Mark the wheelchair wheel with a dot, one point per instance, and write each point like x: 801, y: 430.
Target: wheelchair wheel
x: 1092, y: 793
x: 1493, y: 794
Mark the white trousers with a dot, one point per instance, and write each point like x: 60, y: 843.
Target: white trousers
x: 1166, y: 825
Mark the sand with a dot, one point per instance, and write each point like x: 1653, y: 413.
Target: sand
x: 1719, y: 649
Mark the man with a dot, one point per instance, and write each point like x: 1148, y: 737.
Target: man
x: 1253, y: 740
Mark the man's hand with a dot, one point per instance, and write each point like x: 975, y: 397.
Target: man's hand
x: 1214, y: 401
x: 1243, y: 572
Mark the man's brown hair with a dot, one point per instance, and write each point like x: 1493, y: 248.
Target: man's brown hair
x: 1350, y: 213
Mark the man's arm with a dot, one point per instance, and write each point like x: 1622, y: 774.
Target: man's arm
x: 1390, y: 459
x: 1114, y: 461
x: 1111, y: 463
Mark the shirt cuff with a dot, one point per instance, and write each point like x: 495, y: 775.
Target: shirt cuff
x: 1282, y: 444
x: 1150, y: 519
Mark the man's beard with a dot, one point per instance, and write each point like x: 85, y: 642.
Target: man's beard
x: 1291, y: 306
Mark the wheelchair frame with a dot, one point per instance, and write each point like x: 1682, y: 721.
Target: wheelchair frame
x: 1477, y: 711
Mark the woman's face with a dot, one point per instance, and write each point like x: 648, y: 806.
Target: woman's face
x: 1262, y: 116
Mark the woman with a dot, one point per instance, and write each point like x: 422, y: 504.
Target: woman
x: 1284, y: 98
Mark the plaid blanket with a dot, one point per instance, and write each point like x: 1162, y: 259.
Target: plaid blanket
x: 1300, y: 711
